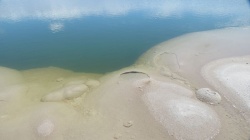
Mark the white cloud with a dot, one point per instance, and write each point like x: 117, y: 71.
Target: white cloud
x: 69, y: 9
x: 56, y: 27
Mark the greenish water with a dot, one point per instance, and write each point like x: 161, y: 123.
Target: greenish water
x: 103, y: 36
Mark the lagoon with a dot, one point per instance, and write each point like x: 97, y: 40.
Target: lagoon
x: 103, y: 36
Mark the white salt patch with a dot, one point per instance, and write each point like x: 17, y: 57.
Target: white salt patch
x: 232, y: 77
x: 183, y: 117
x: 236, y: 77
x: 190, y: 118
x: 45, y: 128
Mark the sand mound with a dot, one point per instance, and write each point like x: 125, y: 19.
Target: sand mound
x: 67, y: 92
x: 185, y: 118
x: 174, y: 107
x: 231, y: 77
x: 187, y: 54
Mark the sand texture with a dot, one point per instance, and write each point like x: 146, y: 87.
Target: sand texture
x: 193, y: 87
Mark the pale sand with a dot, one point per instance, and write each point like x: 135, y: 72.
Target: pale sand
x: 151, y: 100
x: 231, y: 76
x: 187, y: 54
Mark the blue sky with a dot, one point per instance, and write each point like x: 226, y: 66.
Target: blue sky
x: 68, y: 9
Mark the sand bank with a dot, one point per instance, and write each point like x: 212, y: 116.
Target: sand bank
x: 231, y: 76
x: 156, y: 98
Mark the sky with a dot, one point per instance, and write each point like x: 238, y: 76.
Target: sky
x: 57, y: 11
x: 71, y: 9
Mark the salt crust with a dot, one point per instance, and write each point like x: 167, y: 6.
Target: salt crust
x: 183, y: 116
x: 231, y: 76
x: 45, y: 128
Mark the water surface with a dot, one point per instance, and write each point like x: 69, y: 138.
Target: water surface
x: 103, y: 36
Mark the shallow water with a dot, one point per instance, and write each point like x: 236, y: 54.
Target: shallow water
x: 103, y: 36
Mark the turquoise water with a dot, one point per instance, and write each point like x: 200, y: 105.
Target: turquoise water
x: 103, y: 36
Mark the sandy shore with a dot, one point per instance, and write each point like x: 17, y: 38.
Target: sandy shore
x: 192, y: 87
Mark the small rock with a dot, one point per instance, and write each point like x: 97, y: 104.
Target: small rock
x: 128, y: 124
x: 207, y: 95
